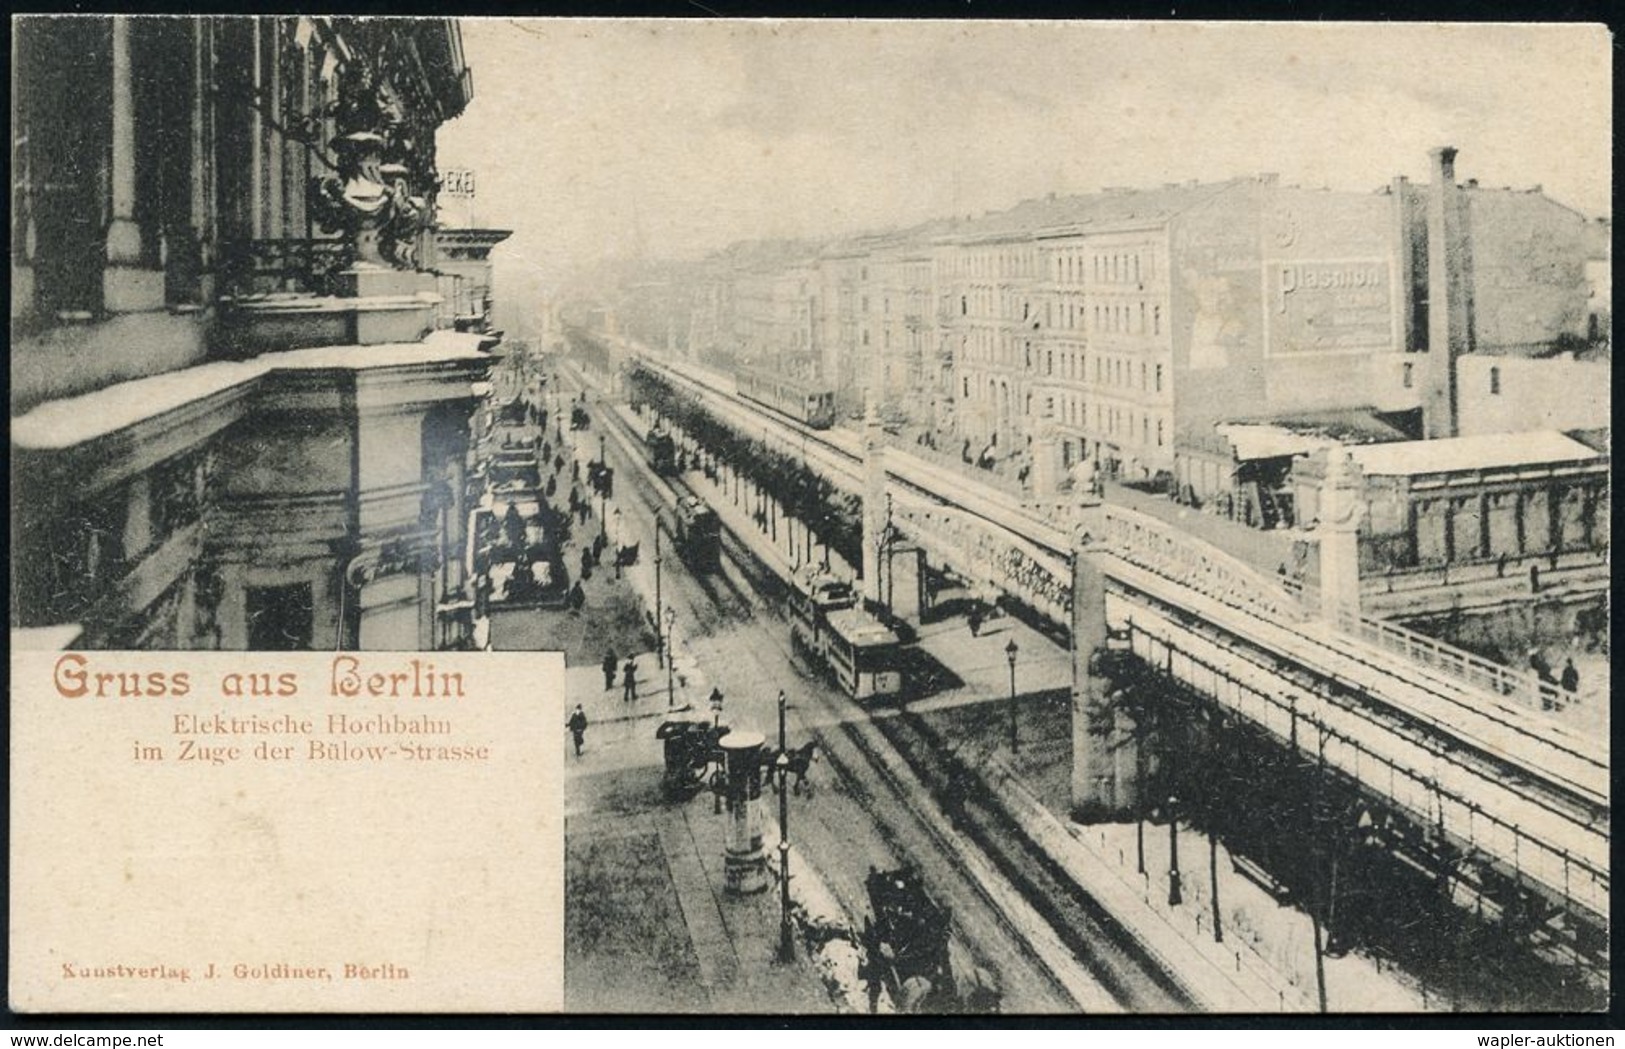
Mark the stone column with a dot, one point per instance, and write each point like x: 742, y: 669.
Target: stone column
x: 874, y: 497
x: 1098, y: 736
x: 125, y: 286
x: 123, y: 235
x: 744, y: 861
x: 1046, y: 456
x: 1341, y: 506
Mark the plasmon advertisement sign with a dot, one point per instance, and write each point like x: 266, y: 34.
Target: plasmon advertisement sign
x: 1328, y: 306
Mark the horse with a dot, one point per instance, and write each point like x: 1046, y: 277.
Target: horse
x: 800, y: 760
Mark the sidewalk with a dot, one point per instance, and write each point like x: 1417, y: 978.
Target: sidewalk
x: 650, y: 929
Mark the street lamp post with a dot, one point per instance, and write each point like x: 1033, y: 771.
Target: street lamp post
x: 716, y: 723
x: 1010, y: 651
x: 660, y: 648
x: 781, y: 765
x: 671, y: 621
x: 1175, y: 896
x: 619, y: 542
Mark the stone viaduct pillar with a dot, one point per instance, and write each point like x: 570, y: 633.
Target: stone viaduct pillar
x: 1103, y: 744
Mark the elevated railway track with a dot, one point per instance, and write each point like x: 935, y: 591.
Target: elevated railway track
x: 1461, y: 745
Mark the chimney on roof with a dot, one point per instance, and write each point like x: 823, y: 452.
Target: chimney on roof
x: 1449, y: 296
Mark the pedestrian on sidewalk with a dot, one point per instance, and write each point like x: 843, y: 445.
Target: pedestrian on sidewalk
x: 1501, y: 565
x: 1534, y: 579
x: 1571, y: 676
x: 609, y: 664
x: 578, y: 597
x: 975, y: 620
x: 869, y: 969
x: 578, y: 727
x: 586, y: 564
x: 629, y: 680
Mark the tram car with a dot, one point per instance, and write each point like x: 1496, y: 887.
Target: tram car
x: 698, y: 533
x: 908, y: 951
x: 831, y: 629
x: 662, y: 452
x: 803, y: 402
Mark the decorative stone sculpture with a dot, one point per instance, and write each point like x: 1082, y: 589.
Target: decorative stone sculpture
x: 371, y: 203
x: 355, y: 202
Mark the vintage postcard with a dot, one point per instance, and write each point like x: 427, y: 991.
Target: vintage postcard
x: 809, y: 517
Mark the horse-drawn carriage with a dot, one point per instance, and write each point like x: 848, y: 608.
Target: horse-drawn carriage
x: 693, y: 756
x: 909, y: 952
x: 691, y: 749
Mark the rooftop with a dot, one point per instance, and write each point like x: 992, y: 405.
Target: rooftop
x: 1302, y: 434
x: 1483, y: 452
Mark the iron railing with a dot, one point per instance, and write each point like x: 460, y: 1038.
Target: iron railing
x: 287, y: 265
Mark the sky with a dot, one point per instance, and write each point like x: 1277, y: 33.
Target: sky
x: 596, y: 139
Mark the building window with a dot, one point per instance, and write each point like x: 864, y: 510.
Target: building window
x: 1495, y: 382
x: 1159, y: 378
x: 1159, y: 433
x: 61, y: 130
x: 1407, y: 375
x: 1156, y: 320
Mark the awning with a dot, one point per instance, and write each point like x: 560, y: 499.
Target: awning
x: 1483, y: 452
x: 1253, y: 441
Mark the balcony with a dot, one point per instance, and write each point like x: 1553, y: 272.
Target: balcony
x: 306, y: 266
x: 296, y: 293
